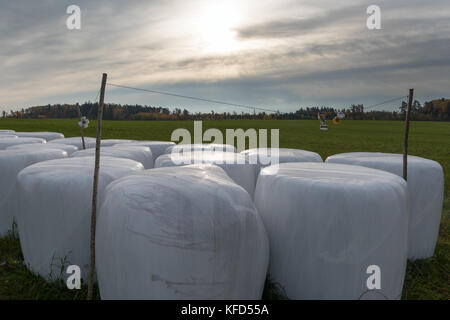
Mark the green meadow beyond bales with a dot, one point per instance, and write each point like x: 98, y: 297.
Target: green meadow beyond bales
x: 425, y: 279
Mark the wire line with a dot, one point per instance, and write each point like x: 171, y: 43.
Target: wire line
x: 192, y: 98
x: 382, y: 103
x: 229, y: 103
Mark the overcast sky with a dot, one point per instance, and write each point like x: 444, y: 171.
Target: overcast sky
x: 274, y: 54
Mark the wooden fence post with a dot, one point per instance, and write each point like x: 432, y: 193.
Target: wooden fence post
x: 95, y: 186
x: 405, y: 143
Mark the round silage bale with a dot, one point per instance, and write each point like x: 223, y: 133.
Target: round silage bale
x: 180, y: 148
x: 269, y: 156
x: 48, y: 136
x: 180, y: 233
x: 7, y: 142
x: 112, y: 142
x: 327, y: 223
x: 7, y: 136
x: 4, y: 131
x: 234, y: 164
x: 11, y: 163
x: 137, y: 153
x: 426, y: 194
x: 157, y: 147
x: 60, y: 146
x: 54, y: 212
x: 76, y: 141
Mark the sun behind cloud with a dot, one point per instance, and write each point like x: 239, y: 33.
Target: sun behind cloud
x: 215, y: 28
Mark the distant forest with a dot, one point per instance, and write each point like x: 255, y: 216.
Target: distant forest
x: 436, y: 110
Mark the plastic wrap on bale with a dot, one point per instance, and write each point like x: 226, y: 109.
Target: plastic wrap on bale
x: 4, y: 131
x: 327, y: 223
x: 48, y: 136
x: 76, y: 141
x: 113, y: 142
x: 54, y: 212
x: 8, y: 136
x: 11, y: 163
x: 137, y: 153
x: 157, y: 147
x: 180, y: 233
x: 234, y: 164
x: 268, y: 156
x: 7, y: 142
x: 180, y: 148
x: 32, y: 146
x: 426, y: 194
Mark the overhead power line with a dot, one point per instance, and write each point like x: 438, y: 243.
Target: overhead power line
x: 193, y: 98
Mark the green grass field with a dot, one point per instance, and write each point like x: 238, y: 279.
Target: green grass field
x: 425, y: 279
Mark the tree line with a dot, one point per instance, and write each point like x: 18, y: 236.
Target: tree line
x: 435, y: 110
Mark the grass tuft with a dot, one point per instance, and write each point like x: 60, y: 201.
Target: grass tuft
x: 18, y: 283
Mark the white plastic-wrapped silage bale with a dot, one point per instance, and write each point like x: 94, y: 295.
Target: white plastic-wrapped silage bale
x: 48, y: 136
x: 180, y: 148
x: 76, y: 141
x: 270, y: 156
x: 234, y: 164
x: 8, y: 136
x: 137, y: 153
x: 54, y: 211
x: 7, y: 142
x: 66, y: 147
x: 327, y: 223
x: 180, y: 233
x: 11, y: 163
x: 4, y: 131
x: 426, y: 194
x: 112, y: 142
x: 157, y: 147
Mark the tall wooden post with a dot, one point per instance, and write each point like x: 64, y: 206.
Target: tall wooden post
x: 405, y: 143
x: 95, y: 186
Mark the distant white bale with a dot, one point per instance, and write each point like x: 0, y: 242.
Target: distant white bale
x: 180, y: 233
x: 8, y: 136
x: 11, y: 162
x: 3, y: 131
x: 327, y: 223
x: 112, y: 142
x: 268, y: 156
x: 7, y: 142
x: 76, y: 141
x: 426, y: 194
x: 136, y: 153
x: 179, y: 148
x: 234, y: 164
x: 60, y: 146
x: 157, y: 147
x: 54, y: 210
x: 48, y: 136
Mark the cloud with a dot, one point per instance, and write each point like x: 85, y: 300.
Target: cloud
x: 289, y: 54
x: 289, y: 27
